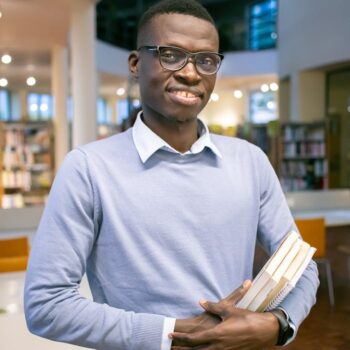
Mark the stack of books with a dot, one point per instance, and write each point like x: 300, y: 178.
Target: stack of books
x: 279, y: 275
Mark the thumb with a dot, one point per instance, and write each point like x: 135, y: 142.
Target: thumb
x: 238, y: 293
x: 214, y: 308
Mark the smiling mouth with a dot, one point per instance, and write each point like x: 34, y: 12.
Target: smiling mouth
x: 185, y: 97
x: 186, y: 94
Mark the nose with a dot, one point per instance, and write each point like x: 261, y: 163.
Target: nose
x: 188, y: 73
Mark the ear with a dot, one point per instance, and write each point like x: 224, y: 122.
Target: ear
x: 133, y: 62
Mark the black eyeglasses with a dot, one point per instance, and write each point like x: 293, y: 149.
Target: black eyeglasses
x: 174, y: 58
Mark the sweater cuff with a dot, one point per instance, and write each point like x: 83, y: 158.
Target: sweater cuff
x: 147, y: 332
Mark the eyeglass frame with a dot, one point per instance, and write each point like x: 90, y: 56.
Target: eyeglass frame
x: 188, y: 54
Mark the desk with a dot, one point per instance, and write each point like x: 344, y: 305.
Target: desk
x: 333, y: 217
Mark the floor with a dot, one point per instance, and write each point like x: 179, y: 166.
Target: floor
x: 326, y: 328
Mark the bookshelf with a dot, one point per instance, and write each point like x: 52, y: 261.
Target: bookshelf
x: 28, y: 165
x: 264, y: 136
x: 303, y: 161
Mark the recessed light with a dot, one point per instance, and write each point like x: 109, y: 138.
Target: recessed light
x: 120, y: 91
x: 238, y: 94
x: 31, y: 81
x: 3, y: 82
x: 274, y: 87
x: 264, y: 88
x: 6, y: 59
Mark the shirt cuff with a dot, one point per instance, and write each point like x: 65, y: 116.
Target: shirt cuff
x: 168, y: 327
x: 291, y: 325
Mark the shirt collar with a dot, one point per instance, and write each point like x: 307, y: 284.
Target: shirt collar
x: 147, y: 142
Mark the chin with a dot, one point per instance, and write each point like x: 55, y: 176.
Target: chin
x: 184, y: 118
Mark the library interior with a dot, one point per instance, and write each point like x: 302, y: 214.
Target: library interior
x: 284, y: 85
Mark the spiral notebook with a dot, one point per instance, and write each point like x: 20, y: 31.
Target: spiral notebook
x: 279, y: 275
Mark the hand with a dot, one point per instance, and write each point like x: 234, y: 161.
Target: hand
x: 208, y: 320
x: 239, y: 329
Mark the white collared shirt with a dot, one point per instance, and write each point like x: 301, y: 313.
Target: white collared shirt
x: 148, y: 142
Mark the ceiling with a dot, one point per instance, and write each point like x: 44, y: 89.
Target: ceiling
x: 28, y: 31
x: 117, y: 21
x: 30, y: 28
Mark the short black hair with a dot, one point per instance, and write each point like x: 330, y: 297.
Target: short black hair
x: 185, y: 7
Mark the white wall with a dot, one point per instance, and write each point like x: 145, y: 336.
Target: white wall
x: 249, y: 63
x: 111, y: 59
x: 312, y: 33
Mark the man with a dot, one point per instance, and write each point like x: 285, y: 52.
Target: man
x: 162, y: 216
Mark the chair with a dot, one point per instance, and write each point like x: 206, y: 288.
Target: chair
x: 313, y: 232
x: 14, y: 254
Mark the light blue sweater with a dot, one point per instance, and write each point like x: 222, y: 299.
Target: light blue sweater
x: 153, y: 238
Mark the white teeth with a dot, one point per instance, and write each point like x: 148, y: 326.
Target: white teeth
x: 185, y: 94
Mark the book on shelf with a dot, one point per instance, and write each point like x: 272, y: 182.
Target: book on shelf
x: 279, y: 275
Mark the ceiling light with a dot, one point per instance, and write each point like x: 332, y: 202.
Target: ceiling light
x: 274, y: 87
x: 264, y: 88
x: 31, y: 81
x: 214, y: 97
x: 44, y: 107
x: 136, y: 103
x: 0, y: 14
x: 6, y: 59
x: 3, y: 82
x: 238, y: 94
x: 33, y: 107
x: 120, y: 91
x: 271, y: 105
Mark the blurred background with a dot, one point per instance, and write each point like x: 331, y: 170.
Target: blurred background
x: 284, y: 85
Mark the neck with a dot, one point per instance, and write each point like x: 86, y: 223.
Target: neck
x: 180, y: 135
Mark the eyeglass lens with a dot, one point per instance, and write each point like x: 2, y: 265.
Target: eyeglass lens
x: 175, y: 59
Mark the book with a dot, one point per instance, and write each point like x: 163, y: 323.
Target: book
x: 268, y: 269
x: 279, y: 275
x: 288, y: 285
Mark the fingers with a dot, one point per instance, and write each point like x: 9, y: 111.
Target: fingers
x: 238, y: 293
x: 220, y: 309
x: 192, y: 339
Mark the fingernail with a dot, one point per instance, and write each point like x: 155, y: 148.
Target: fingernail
x: 246, y: 283
x: 203, y: 302
x: 170, y: 336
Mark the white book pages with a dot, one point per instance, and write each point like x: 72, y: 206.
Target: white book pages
x: 268, y: 269
x: 290, y: 285
x: 276, y: 277
x: 288, y: 274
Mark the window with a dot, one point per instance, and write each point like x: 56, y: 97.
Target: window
x: 103, y: 111
x: 122, y: 110
x: 262, y: 25
x: 262, y: 107
x: 5, y: 109
x: 40, y: 106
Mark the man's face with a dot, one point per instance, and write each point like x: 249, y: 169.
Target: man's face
x: 174, y: 95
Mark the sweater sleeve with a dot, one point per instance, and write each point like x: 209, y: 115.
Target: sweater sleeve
x: 54, y: 308
x: 275, y: 221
